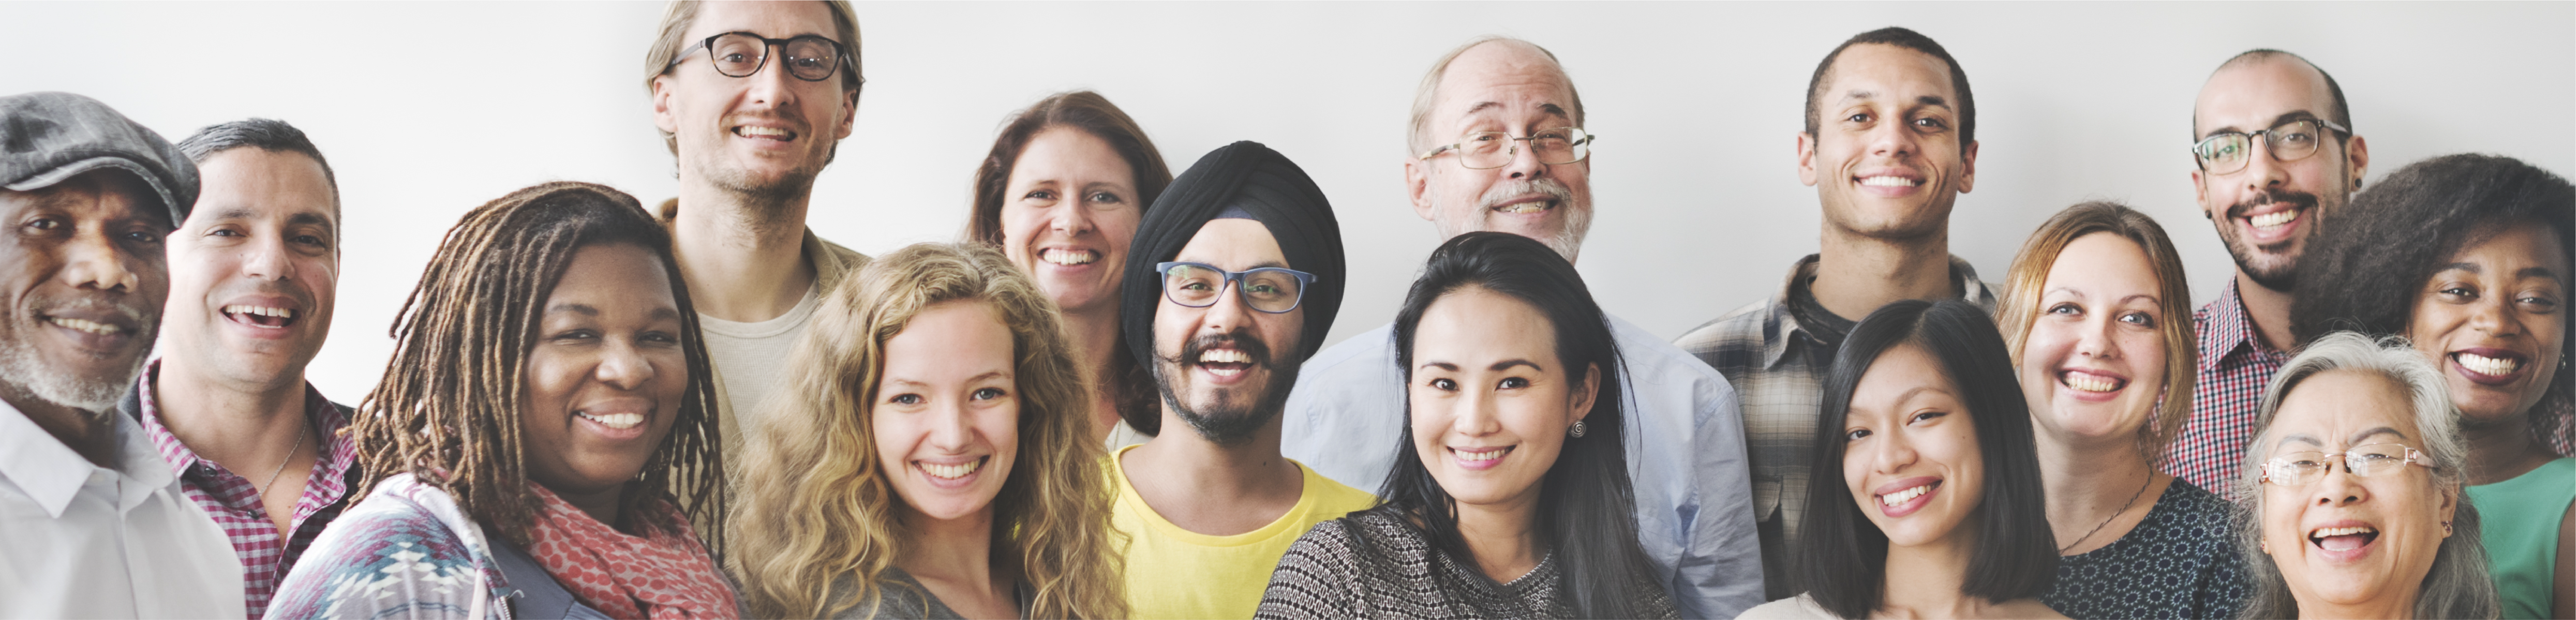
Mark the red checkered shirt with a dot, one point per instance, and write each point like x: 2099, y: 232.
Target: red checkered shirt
x: 2235, y: 365
x: 235, y: 504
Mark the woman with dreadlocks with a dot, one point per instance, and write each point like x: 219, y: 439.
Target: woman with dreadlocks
x: 547, y: 396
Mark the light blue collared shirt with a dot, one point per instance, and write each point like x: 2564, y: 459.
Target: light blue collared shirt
x: 1685, y: 442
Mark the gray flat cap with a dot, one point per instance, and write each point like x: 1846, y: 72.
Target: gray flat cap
x: 46, y: 138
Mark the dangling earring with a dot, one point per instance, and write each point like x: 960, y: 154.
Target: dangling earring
x: 1577, y: 431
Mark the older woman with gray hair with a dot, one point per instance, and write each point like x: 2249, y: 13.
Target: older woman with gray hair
x: 2387, y: 534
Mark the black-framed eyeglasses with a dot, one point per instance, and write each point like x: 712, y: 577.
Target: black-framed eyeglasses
x: 811, y: 58
x: 1275, y: 290
x: 2229, y: 151
x: 1487, y: 150
x: 2302, y: 468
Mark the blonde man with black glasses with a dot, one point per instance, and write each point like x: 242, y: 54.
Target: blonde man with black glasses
x: 753, y: 98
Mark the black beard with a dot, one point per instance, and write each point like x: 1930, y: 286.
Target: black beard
x: 1226, y: 424
x: 2286, y: 276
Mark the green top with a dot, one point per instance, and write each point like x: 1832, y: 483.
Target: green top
x: 2518, y: 522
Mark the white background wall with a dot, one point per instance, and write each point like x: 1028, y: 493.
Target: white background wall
x: 428, y: 110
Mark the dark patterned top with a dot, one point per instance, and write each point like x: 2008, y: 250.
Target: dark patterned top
x: 1396, y: 573
x: 2181, y: 562
x: 900, y: 596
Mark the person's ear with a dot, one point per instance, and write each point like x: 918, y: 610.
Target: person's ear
x: 849, y: 112
x: 665, y: 115
x: 1417, y: 186
x: 1586, y: 390
x: 2357, y: 155
x: 2450, y: 509
x: 1968, y: 167
x: 1806, y: 159
x: 2200, y: 194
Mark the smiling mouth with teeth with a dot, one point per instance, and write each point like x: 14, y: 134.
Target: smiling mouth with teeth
x: 85, y: 325
x: 1069, y: 257
x: 619, y: 421
x: 2484, y: 365
x: 262, y: 316
x: 1534, y: 206
x: 1225, y: 362
x: 2343, y: 538
x: 1899, y: 498
x: 2274, y: 219
x: 952, y: 472
x: 1478, y: 457
x: 1884, y: 181
x: 772, y: 133
x: 2088, y: 383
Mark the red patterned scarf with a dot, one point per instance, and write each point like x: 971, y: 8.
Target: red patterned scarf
x: 664, y: 574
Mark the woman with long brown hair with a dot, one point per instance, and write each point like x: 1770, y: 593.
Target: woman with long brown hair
x: 1061, y: 193
x: 547, y: 396
x: 930, y: 456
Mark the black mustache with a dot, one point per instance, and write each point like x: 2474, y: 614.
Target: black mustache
x: 2302, y: 201
x: 1240, y: 340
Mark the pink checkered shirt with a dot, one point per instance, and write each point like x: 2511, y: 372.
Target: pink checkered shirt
x: 2235, y: 365
x: 235, y: 503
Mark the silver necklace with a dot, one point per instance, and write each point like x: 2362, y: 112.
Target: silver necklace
x: 291, y: 449
x: 2115, y: 515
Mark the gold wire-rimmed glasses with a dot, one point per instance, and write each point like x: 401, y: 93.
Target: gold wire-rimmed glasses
x: 1487, y: 150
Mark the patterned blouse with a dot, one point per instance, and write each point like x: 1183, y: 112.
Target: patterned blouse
x: 408, y: 551
x: 2181, y: 562
x: 1396, y: 573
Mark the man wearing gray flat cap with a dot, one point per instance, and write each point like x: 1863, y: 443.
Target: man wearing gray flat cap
x: 92, y: 522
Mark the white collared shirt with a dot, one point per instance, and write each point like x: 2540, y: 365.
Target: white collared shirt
x: 82, y: 541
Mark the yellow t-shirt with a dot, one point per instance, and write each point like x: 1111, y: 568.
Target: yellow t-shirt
x: 1177, y: 573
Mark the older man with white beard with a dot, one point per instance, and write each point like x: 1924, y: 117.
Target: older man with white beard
x: 92, y: 523
x: 1497, y: 144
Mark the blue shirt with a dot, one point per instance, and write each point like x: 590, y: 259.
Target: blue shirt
x: 1685, y: 443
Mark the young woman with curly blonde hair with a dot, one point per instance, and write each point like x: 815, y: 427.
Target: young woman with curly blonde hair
x: 930, y: 456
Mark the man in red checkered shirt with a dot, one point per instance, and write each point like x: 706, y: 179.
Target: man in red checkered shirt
x: 2275, y: 152
x: 253, y: 273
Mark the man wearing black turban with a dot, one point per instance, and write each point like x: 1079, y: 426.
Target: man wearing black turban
x: 1232, y: 281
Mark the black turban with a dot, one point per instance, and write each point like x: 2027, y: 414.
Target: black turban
x: 1257, y: 182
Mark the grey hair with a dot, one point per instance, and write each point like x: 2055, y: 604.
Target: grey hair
x: 1417, y: 137
x: 2458, y: 585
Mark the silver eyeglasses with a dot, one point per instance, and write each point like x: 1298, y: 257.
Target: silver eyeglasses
x: 1487, y: 150
x: 2303, y: 468
x: 2228, y: 151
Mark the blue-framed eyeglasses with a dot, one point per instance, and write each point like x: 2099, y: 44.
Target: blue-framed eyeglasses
x: 1275, y: 290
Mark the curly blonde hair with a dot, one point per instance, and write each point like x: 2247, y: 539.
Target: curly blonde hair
x: 817, y: 508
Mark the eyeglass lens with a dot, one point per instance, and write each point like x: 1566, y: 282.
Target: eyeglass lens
x: 1267, y: 290
x: 2291, y: 141
x: 1494, y: 149
x: 810, y: 58
x: 2299, y: 468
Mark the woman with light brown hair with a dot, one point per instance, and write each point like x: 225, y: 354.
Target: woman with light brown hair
x: 2099, y: 323
x: 1061, y: 194
x: 930, y: 456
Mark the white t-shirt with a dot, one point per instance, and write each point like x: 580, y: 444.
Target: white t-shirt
x: 749, y: 357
